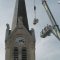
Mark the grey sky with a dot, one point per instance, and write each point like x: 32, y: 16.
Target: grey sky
x: 46, y: 49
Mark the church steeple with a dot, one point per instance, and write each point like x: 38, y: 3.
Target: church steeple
x: 20, y: 10
x: 20, y: 42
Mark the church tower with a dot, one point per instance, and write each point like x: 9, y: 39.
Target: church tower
x: 20, y: 41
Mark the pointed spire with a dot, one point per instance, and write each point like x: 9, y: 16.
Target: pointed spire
x: 20, y: 10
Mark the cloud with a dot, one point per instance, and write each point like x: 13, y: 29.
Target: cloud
x: 52, y: 56
x: 58, y: 2
x: 48, y: 49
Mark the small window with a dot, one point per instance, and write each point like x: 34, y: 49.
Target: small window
x: 24, y: 54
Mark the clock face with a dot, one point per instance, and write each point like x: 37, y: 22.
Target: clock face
x: 20, y: 40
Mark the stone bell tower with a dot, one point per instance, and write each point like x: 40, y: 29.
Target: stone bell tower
x: 20, y: 41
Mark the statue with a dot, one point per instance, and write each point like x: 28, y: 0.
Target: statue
x: 19, y: 22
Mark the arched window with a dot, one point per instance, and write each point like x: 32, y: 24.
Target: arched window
x: 24, y: 53
x: 15, y: 53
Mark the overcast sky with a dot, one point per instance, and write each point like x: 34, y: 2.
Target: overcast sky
x: 47, y: 48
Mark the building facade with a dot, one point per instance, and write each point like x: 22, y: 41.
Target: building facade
x: 20, y: 41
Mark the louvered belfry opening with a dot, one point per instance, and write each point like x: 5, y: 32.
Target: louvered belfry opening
x: 24, y: 53
x: 15, y: 53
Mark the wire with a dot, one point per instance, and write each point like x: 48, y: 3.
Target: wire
x: 34, y: 9
x: 35, y: 19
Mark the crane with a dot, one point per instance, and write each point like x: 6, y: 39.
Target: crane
x: 54, y: 28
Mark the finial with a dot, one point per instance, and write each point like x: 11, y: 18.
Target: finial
x: 8, y: 27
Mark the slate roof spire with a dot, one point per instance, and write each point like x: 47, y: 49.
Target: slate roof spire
x: 20, y: 10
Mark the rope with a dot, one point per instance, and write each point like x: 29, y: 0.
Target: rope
x: 35, y: 19
x: 34, y: 9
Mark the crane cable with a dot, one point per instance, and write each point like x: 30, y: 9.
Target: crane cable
x: 35, y: 19
x: 34, y: 9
